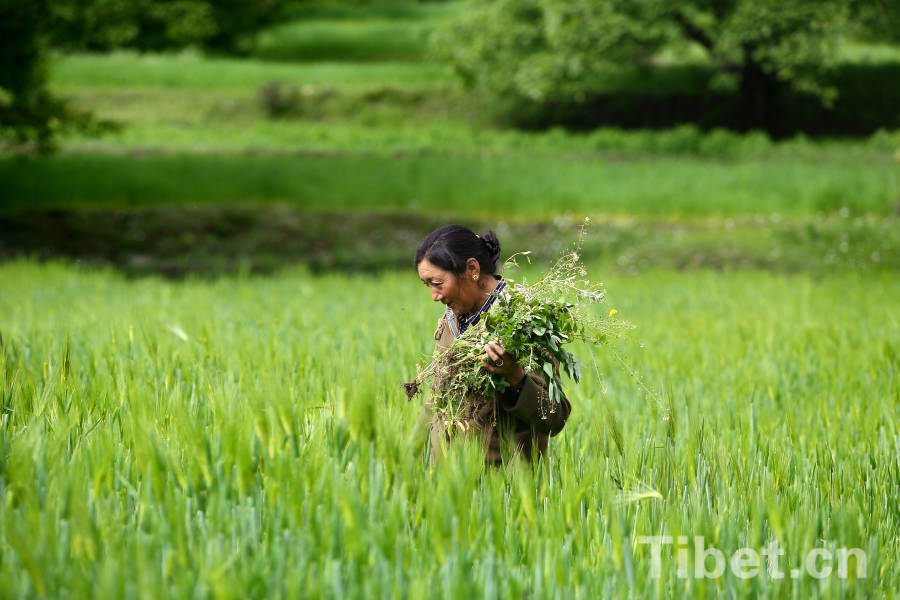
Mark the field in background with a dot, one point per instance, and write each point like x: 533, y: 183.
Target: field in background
x: 192, y: 71
x: 209, y: 241
x: 383, y: 138
x: 514, y: 187
x: 346, y: 126
x: 195, y: 438
x: 201, y: 96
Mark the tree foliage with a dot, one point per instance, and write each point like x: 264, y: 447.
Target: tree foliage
x: 28, y: 112
x: 876, y: 20
x: 545, y: 50
x: 221, y: 25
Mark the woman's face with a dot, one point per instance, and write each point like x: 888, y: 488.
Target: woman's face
x: 457, y: 292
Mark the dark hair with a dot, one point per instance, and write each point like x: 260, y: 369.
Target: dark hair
x: 450, y: 246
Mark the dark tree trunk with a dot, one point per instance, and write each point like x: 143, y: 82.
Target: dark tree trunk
x: 759, y: 97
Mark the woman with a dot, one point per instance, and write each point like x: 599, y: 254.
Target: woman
x: 459, y: 269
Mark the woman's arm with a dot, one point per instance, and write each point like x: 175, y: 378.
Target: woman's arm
x: 532, y: 404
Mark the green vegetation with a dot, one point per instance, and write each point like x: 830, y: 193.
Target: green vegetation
x: 180, y: 439
x: 188, y: 104
x: 404, y: 11
x: 533, y: 55
x: 233, y: 434
x: 31, y: 116
x: 219, y: 25
x: 126, y: 70
x: 380, y: 138
x: 353, y: 41
x: 382, y: 47
x: 364, y: 32
x: 517, y: 186
x: 214, y: 240
x: 194, y: 134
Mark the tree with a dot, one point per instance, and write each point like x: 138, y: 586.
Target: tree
x: 877, y: 20
x: 235, y: 20
x: 149, y: 25
x: 546, y: 50
x: 28, y: 112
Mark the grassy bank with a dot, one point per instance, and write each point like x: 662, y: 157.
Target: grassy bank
x: 512, y: 187
x: 248, y: 437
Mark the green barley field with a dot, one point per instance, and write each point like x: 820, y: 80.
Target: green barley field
x: 232, y: 434
x: 247, y: 437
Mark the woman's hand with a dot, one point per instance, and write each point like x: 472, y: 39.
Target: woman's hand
x: 505, y: 364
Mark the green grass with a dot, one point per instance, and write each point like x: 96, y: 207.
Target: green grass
x: 362, y: 32
x: 331, y: 10
x: 224, y: 124
x: 189, y: 71
x: 186, y: 103
x: 512, y: 186
x: 863, y: 53
x: 248, y: 438
x: 352, y: 41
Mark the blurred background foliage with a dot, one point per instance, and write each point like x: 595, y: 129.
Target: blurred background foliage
x: 580, y: 63
x: 32, y: 28
x: 220, y: 25
x: 508, y: 113
x: 535, y: 56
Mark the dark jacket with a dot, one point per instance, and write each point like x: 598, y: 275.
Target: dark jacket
x: 524, y: 423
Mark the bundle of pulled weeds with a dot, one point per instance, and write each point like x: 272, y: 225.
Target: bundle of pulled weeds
x: 534, y: 322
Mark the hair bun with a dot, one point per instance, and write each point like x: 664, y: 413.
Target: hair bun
x: 492, y: 243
